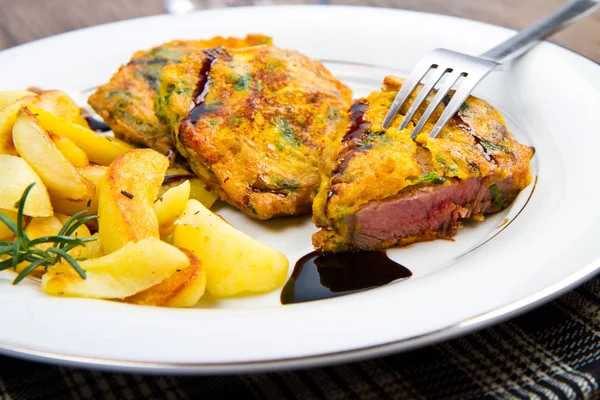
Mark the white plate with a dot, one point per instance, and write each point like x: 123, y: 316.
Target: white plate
x: 550, y: 244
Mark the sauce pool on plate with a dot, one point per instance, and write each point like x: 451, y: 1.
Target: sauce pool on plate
x: 318, y: 276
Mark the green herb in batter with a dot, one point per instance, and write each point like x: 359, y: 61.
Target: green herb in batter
x: 497, y: 196
x: 432, y: 178
x: 288, y: 132
x: 489, y: 146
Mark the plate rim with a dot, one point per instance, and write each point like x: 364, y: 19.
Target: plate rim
x: 463, y: 327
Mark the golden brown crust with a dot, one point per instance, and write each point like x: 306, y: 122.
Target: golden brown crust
x: 261, y: 132
x: 126, y: 102
x: 378, y: 164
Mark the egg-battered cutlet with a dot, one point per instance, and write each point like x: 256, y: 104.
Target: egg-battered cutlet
x: 126, y: 102
x: 380, y: 188
x: 252, y: 123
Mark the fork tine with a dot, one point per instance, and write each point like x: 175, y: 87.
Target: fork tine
x: 407, y: 88
x: 459, y: 97
x: 451, y: 79
x: 437, y: 74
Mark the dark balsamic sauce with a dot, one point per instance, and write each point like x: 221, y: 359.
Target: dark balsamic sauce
x: 202, y: 88
x: 467, y: 128
x: 486, y: 154
x: 318, y: 276
x: 96, y: 124
x: 359, y: 126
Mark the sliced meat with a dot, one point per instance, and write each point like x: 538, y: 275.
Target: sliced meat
x: 381, y: 189
x: 424, y: 213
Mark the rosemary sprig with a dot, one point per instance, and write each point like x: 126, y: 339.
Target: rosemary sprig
x: 24, y: 249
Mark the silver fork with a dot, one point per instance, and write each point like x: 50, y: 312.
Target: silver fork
x: 451, y: 66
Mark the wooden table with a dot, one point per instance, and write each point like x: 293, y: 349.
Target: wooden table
x: 22, y: 21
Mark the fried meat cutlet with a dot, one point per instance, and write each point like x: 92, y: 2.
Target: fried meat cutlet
x: 252, y: 123
x: 381, y: 189
x: 126, y: 102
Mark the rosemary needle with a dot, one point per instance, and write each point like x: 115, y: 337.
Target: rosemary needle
x: 22, y: 248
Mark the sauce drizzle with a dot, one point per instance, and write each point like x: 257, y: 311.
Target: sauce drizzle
x: 318, y: 276
x: 202, y: 87
x: 359, y: 126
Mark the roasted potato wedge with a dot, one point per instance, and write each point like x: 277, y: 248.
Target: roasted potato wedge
x: 133, y: 268
x: 5, y: 231
x: 92, y: 172
x: 126, y: 194
x: 7, y: 97
x: 8, y: 116
x: 169, y: 206
x: 52, y: 101
x: 16, y: 175
x: 198, y: 189
x: 99, y: 149
x: 182, y: 289
x: 69, y: 149
x: 37, y: 148
x: 234, y: 262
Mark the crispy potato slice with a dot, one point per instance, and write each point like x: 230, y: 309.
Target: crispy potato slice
x: 126, y: 194
x: 52, y: 101
x: 133, y: 268
x: 16, y: 175
x: 169, y: 206
x: 182, y: 289
x: 69, y: 149
x: 234, y: 262
x: 99, y: 149
x: 8, y: 115
x: 58, y: 174
x: 5, y: 231
x: 92, y: 172
x: 7, y: 97
x: 198, y: 189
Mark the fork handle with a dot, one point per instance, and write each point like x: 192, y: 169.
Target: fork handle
x: 531, y: 35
